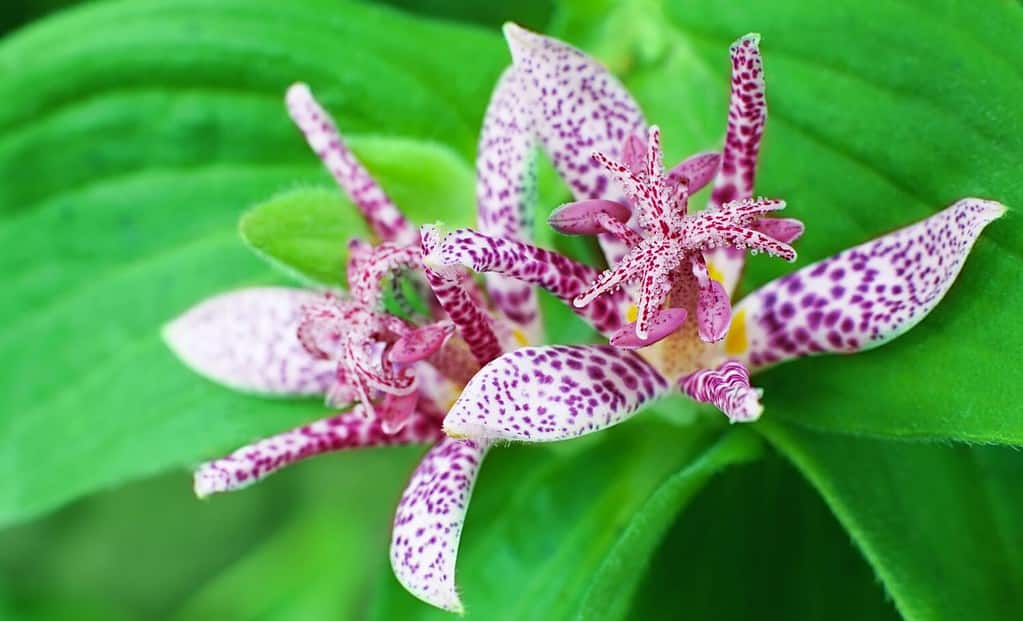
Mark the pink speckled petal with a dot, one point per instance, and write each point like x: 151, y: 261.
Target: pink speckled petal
x: 713, y: 309
x: 862, y: 297
x: 451, y: 286
x: 558, y: 274
x: 727, y: 388
x: 582, y: 217
x: 542, y: 394
x: 664, y: 322
x: 349, y: 430
x: 324, y: 138
x: 696, y: 171
x: 506, y: 190
x: 245, y: 339
x: 579, y: 107
x: 785, y: 230
x: 420, y: 343
x: 428, y: 523
x: 747, y: 114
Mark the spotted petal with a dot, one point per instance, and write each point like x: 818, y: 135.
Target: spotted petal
x: 556, y: 273
x: 353, y: 429
x: 506, y: 190
x: 541, y: 394
x: 324, y: 138
x: 747, y: 114
x: 428, y: 523
x: 580, y: 108
x: 247, y: 340
x: 862, y: 297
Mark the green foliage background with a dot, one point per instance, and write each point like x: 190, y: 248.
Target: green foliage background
x: 135, y: 134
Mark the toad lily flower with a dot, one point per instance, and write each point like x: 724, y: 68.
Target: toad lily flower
x: 859, y: 299
x: 397, y: 375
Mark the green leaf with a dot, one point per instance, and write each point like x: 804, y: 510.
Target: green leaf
x: 132, y: 136
x: 759, y: 543
x: 302, y: 232
x: 546, y: 527
x: 940, y: 524
x: 881, y: 114
x: 610, y: 589
x: 305, y: 231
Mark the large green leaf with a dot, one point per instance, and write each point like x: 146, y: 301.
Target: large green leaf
x: 940, y: 524
x: 555, y: 535
x: 759, y: 543
x: 132, y: 137
x: 881, y: 113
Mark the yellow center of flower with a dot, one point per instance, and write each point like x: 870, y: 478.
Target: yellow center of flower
x: 736, y: 341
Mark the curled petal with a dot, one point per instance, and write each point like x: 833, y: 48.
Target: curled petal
x: 260, y: 459
x: 506, y: 190
x: 862, y: 297
x: 747, y: 114
x: 582, y: 217
x: 695, y: 171
x: 245, y: 340
x: 428, y: 523
x: 450, y: 285
x: 324, y: 138
x: 542, y: 394
x: 558, y: 274
x: 663, y: 323
x: 727, y: 388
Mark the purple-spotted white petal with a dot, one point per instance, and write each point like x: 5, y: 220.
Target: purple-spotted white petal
x: 579, y: 108
x: 561, y: 276
x: 258, y: 460
x: 862, y: 297
x: 325, y: 140
x: 428, y: 523
x: 541, y: 394
x: 246, y: 340
x: 747, y: 114
x: 506, y: 190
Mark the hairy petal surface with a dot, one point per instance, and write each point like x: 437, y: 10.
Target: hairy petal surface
x: 428, y: 523
x: 353, y: 429
x: 541, y: 394
x: 747, y: 114
x: 247, y: 340
x: 324, y: 138
x: 862, y: 297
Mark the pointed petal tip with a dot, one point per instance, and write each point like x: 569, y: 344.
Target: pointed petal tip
x: 989, y: 210
x: 752, y: 37
x: 297, y: 92
x: 207, y: 481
